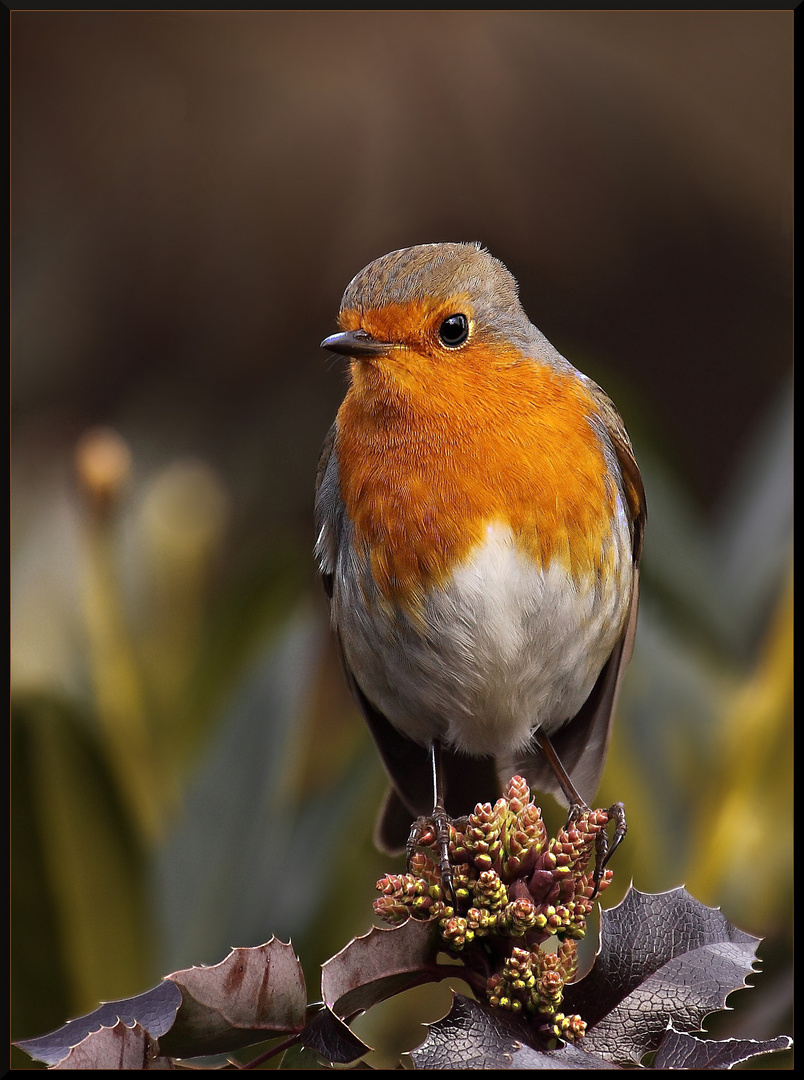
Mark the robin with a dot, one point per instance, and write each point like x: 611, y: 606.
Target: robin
x: 479, y: 517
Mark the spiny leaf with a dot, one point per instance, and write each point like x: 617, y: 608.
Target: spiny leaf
x: 330, y: 1038
x: 154, y: 1011
x: 251, y: 995
x: 118, y: 1047
x: 475, y: 1036
x: 665, y: 962
x: 681, y: 1051
x: 662, y: 957
x: 378, y: 965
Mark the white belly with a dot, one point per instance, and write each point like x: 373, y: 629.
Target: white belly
x: 503, y: 649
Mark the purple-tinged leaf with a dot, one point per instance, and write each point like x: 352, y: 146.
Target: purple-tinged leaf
x: 678, y: 1050
x: 155, y: 1011
x: 252, y: 995
x: 475, y: 1036
x: 330, y: 1037
x: 378, y: 965
x: 663, y: 957
x: 118, y: 1047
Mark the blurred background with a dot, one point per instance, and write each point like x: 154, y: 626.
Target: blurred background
x: 191, y: 193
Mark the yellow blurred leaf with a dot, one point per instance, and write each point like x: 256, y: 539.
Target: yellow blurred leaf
x: 745, y: 824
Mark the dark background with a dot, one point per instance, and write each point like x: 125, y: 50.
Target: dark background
x: 191, y: 193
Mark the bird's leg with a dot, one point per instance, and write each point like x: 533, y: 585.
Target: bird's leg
x: 577, y: 806
x: 439, y: 821
x: 603, y: 849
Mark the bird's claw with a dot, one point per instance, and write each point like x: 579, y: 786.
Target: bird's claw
x: 434, y: 831
x: 603, y: 848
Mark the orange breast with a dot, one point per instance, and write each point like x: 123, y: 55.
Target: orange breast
x: 431, y: 455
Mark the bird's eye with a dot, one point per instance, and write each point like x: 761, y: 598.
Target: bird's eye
x: 454, y: 330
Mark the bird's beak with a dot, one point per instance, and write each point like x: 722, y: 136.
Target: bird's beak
x: 355, y: 343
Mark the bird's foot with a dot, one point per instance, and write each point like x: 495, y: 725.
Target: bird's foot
x: 434, y: 831
x: 604, y: 849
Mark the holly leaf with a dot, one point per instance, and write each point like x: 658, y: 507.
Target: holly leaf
x: 475, y: 1036
x: 662, y: 957
x: 678, y: 1050
x: 330, y: 1038
x: 379, y: 964
x: 118, y: 1047
x: 154, y: 1012
x: 664, y: 963
x: 250, y: 996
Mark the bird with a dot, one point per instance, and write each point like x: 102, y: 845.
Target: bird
x: 479, y: 521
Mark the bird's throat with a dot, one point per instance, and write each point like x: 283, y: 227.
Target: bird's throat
x: 425, y: 471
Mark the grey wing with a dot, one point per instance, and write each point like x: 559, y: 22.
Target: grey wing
x: 329, y: 512
x: 613, y: 430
